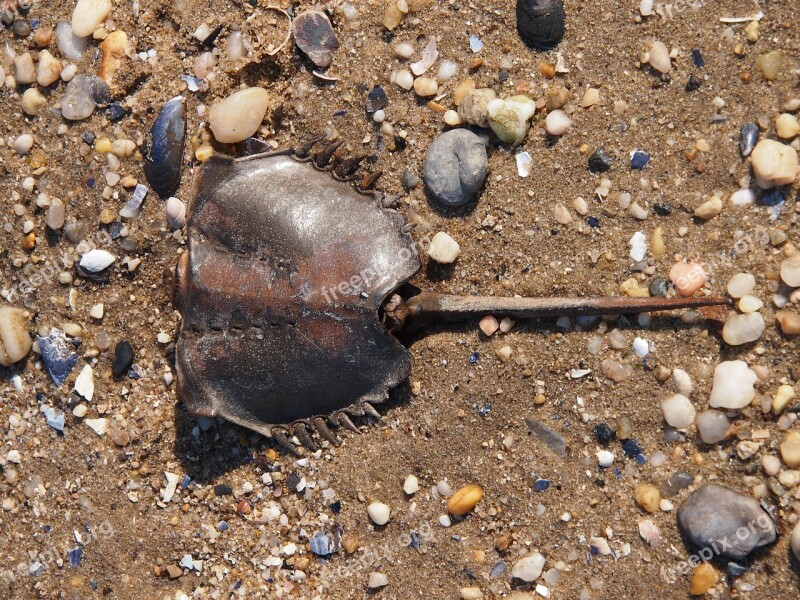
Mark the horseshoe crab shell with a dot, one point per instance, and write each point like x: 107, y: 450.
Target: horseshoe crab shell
x: 279, y: 289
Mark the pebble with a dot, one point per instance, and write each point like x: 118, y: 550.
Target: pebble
x: 404, y: 50
x: 678, y: 411
x: 33, y: 102
x: 377, y: 580
x: 616, y: 371
x: 455, y: 167
x: 789, y: 321
x: 78, y: 102
x: 411, y: 485
x: 443, y: 249
x: 48, y: 71
x: 89, y: 15
x: 682, y: 382
x: 709, y: 209
x: 314, y: 35
x: 96, y: 260
x: 774, y: 164
x: 741, y: 285
x: 790, y: 449
x: 743, y: 197
x: 15, y: 341
x: 705, y: 577
x: 557, y: 122
x: 471, y: 593
x: 58, y: 355
x: 638, y: 245
x: 473, y: 107
x: 748, y: 136
x: 732, y: 386
x: 639, y: 159
x: 425, y: 87
x: 600, y: 161
x: 379, y: 513
x: 24, y: 70
x: 99, y: 426
x: 510, y: 118
x: 404, y: 79
x: 529, y: 568
x: 69, y: 44
x: 123, y: 359
x: 722, y: 519
x: 794, y: 541
x: 743, y: 329
x: 590, y: 97
x: 84, y: 383
x: 687, y: 278
x: 176, y: 213
x: 648, y: 497
x: 787, y: 126
x: 790, y: 270
x: 238, y: 116
x: 750, y: 304
x: 769, y: 64
x: 97, y: 311
x: 605, y: 458
x: 659, y: 57
x: 464, y: 500
x: 23, y: 144
x: 489, y: 325
x: 713, y: 426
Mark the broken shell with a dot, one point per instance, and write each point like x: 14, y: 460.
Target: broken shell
x: 176, y: 213
x: 540, y: 23
x: 167, y: 139
x: 15, y: 341
x: 314, y: 35
x: 58, y: 355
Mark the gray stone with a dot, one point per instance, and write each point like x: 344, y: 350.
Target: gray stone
x: 78, y: 103
x: 54, y: 218
x: 726, y: 522
x: 455, y: 167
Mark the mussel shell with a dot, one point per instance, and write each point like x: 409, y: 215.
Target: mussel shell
x: 167, y: 140
x: 540, y: 23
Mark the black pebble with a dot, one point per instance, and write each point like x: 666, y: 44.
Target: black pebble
x: 659, y: 287
x: 603, y: 433
x: 693, y: 84
x: 662, y: 209
x: 21, y: 28
x: 222, y: 490
x: 115, y: 112
x: 123, y: 359
x: 599, y: 161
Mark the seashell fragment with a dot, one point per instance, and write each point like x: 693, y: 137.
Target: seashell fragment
x: 540, y: 23
x: 314, y: 35
x: 58, y: 355
x: 167, y: 139
x: 96, y: 260
x: 176, y: 213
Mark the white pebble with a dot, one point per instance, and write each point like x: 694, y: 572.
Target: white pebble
x: 84, y: 384
x: 641, y: 347
x: 659, y: 57
x: 444, y: 520
x: 378, y: 580
x: 379, y: 513
x: 749, y: 304
x: 97, y: 311
x: 741, y: 284
x: 713, y: 425
x: 678, y: 411
x: 557, y: 122
x: 404, y: 50
x: 23, y: 143
x: 447, y: 69
x: 638, y: 243
x: 682, y: 382
x: 529, y: 568
x: 743, y: 197
x: 88, y: 15
x: 443, y: 249
x: 99, y: 426
x: 605, y: 458
x: 732, y: 385
x: 96, y: 260
x: 411, y: 485
x: 404, y: 79
x: 743, y: 329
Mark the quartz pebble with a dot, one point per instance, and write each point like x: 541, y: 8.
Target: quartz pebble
x: 473, y: 107
x: 790, y: 449
x: 15, y: 341
x: 712, y: 426
x: 70, y: 45
x: 709, y: 209
x: 659, y: 57
x: 510, y: 118
x: 96, y: 260
x: 682, y: 382
x: 705, y: 577
x: 425, y: 87
x: 24, y: 70
x: 443, y: 249
x: 464, y: 500
x: 48, y: 71
x: 404, y: 79
x: 743, y: 329
x: 55, y: 215
x: 377, y: 580
x: 238, y: 116
x: 23, y: 143
x: 411, y: 485
x: 749, y: 304
x: 687, y: 277
x: 471, y: 593
x: 78, y: 102
x: 88, y: 15
x: 529, y: 568
x: 788, y: 321
x: 33, y: 102
x: 489, y: 325
x: 790, y: 270
x: 379, y: 513
x: 84, y: 383
x: 741, y: 284
x: 455, y: 167
x: 557, y: 122
x: 774, y: 164
x: 787, y: 126
x: 605, y: 458
x: 732, y: 386
x: 678, y: 411
x: 713, y: 514
x: 648, y: 497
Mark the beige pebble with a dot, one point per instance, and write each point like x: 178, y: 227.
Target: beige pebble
x: 504, y: 353
x: 97, y: 311
x: 659, y: 57
x: 462, y: 89
x: 489, y: 325
x: 238, y: 116
x: 590, y: 97
x: 24, y: 71
x: 123, y: 148
x: 379, y: 513
x: 787, y: 126
x: 749, y: 304
x: 33, y: 102
x: 774, y: 164
x: 784, y: 396
x: 471, y: 593
x: 48, y: 71
x: 464, y: 500
x: 112, y: 51
x: 659, y: 248
x: 15, y: 341
x: 443, y: 249
x: 452, y: 118
x: 425, y: 87
x: 790, y: 270
x: 648, y: 497
x: 709, y: 209
x: 88, y: 15
x: 790, y: 449
x: 789, y: 321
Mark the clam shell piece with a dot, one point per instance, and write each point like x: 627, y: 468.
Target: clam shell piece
x: 540, y: 23
x: 167, y: 140
x: 314, y: 35
x: 279, y: 291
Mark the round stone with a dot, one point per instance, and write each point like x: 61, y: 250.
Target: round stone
x: 732, y: 386
x: 557, y: 122
x: 678, y: 411
x: 443, y: 249
x: 790, y: 270
x: 529, y: 568
x: 743, y: 329
x: 741, y: 284
x: 774, y: 164
x: 379, y: 513
x: 455, y: 167
x: 238, y: 116
x: 713, y: 426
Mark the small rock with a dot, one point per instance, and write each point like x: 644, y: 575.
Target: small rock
x: 557, y: 122
x: 714, y: 516
x: 411, y: 485
x: 749, y: 304
x: 605, y: 458
x: 789, y: 321
x: 238, y: 116
x: 790, y: 449
x: 648, y: 497
x: 616, y: 371
x: 96, y: 261
x: 112, y: 52
x: 709, y: 209
x: 743, y: 329
x: 56, y: 213
x: 705, y: 577
x: 489, y: 325
x: 678, y: 411
x: 123, y: 359
x: 32, y: 103
x: 464, y: 500
x: 443, y: 249
x: 99, y: 426
x: 659, y: 57
x: 687, y: 278
x: 15, y: 341
x: 24, y: 70
x: 732, y: 386
x: 769, y: 64
x: 639, y: 159
x: 599, y: 161
x: 48, y: 71
x: 529, y: 568
x: 314, y: 35
x: 790, y: 270
x: 713, y: 426
x: 741, y: 284
x: 377, y: 580
x: 78, y: 102
x: 774, y: 164
x: 682, y: 382
x: 473, y: 108
x: 23, y: 144
x: 783, y: 398
x: 379, y: 513
x: 510, y: 118
x: 471, y: 593
x: 787, y: 126
x: 455, y: 167
x: 89, y: 15
x: 84, y: 383
x: 425, y: 87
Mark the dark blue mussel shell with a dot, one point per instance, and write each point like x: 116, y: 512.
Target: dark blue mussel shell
x: 167, y: 140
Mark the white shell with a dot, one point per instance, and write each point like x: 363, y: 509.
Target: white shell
x: 84, y: 383
x: 96, y: 260
x: 176, y: 213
